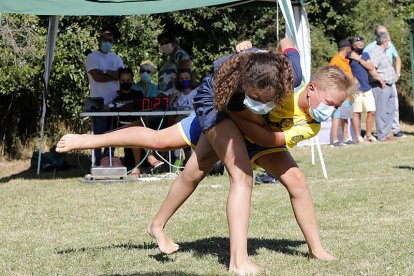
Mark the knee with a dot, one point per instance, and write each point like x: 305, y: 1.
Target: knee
x: 241, y: 179
x: 295, y: 182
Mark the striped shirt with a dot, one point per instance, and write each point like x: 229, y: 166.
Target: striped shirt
x: 383, y: 65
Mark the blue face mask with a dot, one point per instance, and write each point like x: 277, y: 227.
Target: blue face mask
x: 145, y: 76
x: 185, y: 84
x: 106, y: 47
x: 322, y: 112
x: 258, y: 107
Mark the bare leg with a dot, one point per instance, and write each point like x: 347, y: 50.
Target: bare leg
x: 230, y: 147
x: 287, y: 171
x: 134, y: 137
x: 356, y: 117
x: 345, y: 132
x: 238, y: 204
x: 334, y: 130
x: 137, y: 158
x: 370, y: 123
x: 197, y: 167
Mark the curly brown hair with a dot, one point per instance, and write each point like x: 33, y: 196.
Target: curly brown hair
x: 267, y: 71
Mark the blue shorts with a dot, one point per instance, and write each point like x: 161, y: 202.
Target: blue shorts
x: 191, y: 131
x: 344, y: 111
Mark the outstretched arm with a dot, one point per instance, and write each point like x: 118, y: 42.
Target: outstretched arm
x: 258, y: 132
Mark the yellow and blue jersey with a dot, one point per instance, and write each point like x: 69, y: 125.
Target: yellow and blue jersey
x: 295, y: 124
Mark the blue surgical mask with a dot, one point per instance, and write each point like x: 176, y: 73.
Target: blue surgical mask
x: 258, y: 107
x: 322, y: 112
x: 106, y: 47
x: 145, y: 76
x: 185, y: 84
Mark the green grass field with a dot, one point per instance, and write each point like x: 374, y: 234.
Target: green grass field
x: 56, y: 225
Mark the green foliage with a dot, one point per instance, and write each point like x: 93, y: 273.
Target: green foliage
x: 206, y: 34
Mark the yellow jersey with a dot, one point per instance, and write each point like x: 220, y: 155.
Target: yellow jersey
x: 296, y: 125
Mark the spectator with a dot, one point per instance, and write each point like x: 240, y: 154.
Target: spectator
x: 382, y: 87
x: 128, y: 100
x: 392, y: 55
x: 102, y: 66
x: 177, y: 59
x: 145, y: 84
x: 186, y: 92
x: 344, y: 112
x: 149, y: 90
x: 185, y: 89
x: 364, y: 101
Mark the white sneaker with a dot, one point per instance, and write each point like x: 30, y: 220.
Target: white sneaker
x: 360, y: 139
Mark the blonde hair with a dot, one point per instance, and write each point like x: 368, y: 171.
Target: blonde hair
x: 148, y: 62
x: 267, y: 71
x: 333, y: 78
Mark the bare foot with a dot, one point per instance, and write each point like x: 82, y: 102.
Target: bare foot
x: 69, y: 142
x: 322, y: 255
x: 135, y: 172
x: 247, y: 268
x: 165, y: 245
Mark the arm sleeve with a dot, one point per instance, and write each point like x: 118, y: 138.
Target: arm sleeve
x: 299, y: 133
x: 293, y: 56
x: 91, y: 63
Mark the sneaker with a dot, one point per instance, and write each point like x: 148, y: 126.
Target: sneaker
x: 399, y: 134
x: 370, y: 138
x: 337, y: 144
x: 348, y: 142
x: 361, y: 139
x: 157, y: 167
x: 265, y: 178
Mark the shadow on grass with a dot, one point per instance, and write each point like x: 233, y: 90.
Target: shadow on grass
x: 178, y: 273
x: 75, y: 165
x: 216, y: 246
x: 405, y: 167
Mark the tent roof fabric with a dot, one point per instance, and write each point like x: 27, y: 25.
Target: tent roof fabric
x: 111, y: 7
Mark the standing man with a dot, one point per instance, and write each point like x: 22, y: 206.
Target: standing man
x: 177, y: 59
x: 382, y: 87
x: 344, y: 112
x: 392, y: 55
x: 102, y: 66
x: 364, y: 101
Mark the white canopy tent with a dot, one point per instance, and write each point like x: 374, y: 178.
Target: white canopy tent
x: 297, y: 27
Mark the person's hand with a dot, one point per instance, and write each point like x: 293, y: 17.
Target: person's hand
x: 398, y: 77
x: 243, y: 46
x: 383, y: 84
x: 355, y: 56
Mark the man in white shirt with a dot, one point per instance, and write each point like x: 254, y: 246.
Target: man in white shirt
x: 102, y: 66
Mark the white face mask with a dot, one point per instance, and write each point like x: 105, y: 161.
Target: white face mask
x: 258, y: 107
x: 167, y: 48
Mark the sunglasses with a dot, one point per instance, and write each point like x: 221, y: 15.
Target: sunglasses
x: 358, y: 38
x: 145, y: 71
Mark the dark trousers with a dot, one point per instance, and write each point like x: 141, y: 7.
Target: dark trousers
x: 100, y: 126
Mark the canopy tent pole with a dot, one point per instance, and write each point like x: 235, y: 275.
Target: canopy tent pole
x: 50, y: 50
x: 297, y: 28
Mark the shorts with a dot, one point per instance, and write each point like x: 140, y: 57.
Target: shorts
x: 191, y: 131
x: 344, y: 111
x: 364, y: 102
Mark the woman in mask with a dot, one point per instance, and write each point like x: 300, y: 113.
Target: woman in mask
x: 145, y: 84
